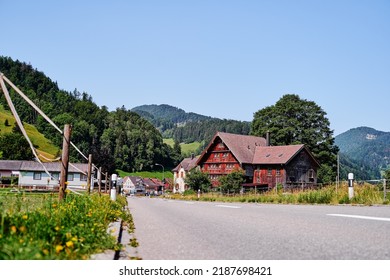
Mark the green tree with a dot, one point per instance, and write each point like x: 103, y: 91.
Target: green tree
x: 232, y: 183
x: 386, y: 175
x: 15, y: 147
x: 197, y: 180
x: 293, y: 120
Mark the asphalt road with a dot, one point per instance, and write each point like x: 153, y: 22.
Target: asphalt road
x: 184, y: 230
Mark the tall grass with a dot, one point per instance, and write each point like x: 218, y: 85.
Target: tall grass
x: 41, y: 227
x: 364, y: 194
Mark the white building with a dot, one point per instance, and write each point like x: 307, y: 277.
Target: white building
x: 180, y: 172
x: 32, y: 173
x: 133, y: 185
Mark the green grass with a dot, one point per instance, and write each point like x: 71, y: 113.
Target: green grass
x: 36, y: 227
x: 364, y: 195
x: 42, y: 144
x: 147, y: 174
x: 186, y: 149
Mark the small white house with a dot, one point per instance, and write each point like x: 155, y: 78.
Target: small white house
x: 133, y: 185
x: 180, y: 172
x: 32, y: 173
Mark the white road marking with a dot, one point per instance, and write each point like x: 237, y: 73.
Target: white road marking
x: 227, y: 206
x: 187, y: 202
x: 360, y: 217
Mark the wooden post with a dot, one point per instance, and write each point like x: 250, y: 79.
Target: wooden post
x: 65, y: 161
x: 89, y: 175
x: 106, y: 183
x: 100, y: 179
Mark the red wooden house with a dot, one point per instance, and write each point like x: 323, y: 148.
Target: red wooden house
x: 264, y: 166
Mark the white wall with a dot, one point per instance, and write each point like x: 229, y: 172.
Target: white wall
x: 26, y: 178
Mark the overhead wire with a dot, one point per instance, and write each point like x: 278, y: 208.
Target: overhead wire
x: 20, y: 124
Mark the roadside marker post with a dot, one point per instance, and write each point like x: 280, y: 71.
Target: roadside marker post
x: 350, y: 185
x: 114, y: 177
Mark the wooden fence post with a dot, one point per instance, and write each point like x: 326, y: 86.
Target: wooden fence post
x: 100, y: 179
x: 89, y: 174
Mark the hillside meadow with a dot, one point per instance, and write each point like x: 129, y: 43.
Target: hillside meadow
x: 42, y: 144
x: 186, y: 148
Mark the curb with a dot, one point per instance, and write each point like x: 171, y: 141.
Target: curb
x: 120, y: 231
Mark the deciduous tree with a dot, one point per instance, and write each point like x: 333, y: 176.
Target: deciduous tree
x: 197, y: 180
x: 293, y: 120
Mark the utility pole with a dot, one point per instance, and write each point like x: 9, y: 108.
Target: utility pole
x: 64, y: 161
x: 89, y: 175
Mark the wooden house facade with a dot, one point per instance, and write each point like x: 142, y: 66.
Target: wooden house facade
x: 264, y: 166
x: 228, y: 152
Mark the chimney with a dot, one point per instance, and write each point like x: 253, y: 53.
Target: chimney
x: 267, y: 139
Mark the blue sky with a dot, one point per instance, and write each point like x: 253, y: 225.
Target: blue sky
x: 225, y: 59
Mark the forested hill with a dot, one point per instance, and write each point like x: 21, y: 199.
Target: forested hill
x: 169, y: 113
x: 116, y: 140
x: 188, y: 127
x: 365, y: 151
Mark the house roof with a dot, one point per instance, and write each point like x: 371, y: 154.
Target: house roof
x: 187, y: 164
x: 278, y: 154
x: 133, y: 179
x: 11, y: 165
x: 16, y: 165
x: 149, y: 183
x: 243, y: 147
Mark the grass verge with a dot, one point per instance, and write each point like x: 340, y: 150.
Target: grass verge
x: 39, y: 227
x: 364, y: 195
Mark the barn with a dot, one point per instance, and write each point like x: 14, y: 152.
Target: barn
x: 264, y: 166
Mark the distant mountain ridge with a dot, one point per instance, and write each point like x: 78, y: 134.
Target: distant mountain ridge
x: 185, y: 127
x: 365, y: 150
x: 168, y: 112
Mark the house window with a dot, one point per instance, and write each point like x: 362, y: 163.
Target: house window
x: 181, y: 174
x: 269, y: 172
x: 37, y: 175
x: 229, y: 166
x: 83, y: 177
x: 70, y: 177
x: 277, y: 172
x: 216, y: 155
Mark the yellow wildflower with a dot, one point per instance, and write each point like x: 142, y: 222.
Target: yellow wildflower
x: 74, y: 239
x: 69, y: 244
x: 57, y: 228
x: 22, y: 228
x: 59, y: 248
x: 21, y: 241
x: 45, y: 251
x: 13, y: 229
x: 25, y: 217
x: 68, y: 235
